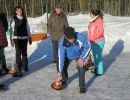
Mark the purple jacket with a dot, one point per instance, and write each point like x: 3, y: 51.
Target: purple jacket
x: 3, y: 39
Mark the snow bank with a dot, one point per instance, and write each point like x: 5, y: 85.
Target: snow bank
x: 117, y: 31
x: 115, y: 27
x: 39, y: 24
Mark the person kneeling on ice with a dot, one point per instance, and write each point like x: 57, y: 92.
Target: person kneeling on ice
x: 73, y: 46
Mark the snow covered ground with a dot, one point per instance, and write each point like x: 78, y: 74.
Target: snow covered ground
x: 117, y: 30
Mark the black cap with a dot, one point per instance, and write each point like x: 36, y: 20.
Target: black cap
x: 69, y: 33
x: 58, y: 5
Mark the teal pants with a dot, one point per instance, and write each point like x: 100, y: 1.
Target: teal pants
x: 97, y: 49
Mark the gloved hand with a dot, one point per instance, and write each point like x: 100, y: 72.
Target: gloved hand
x: 30, y: 40
x: 12, y: 42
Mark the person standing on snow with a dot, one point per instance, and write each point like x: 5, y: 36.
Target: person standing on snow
x: 56, y: 24
x: 97, y: 39
x: 19, y: 38
x: 73, y: 46
x: 3, y: 44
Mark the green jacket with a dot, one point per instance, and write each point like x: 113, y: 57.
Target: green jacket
x: 56, y: 25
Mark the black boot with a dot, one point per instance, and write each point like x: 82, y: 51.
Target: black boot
x: 18, y: 72
x: 4, y: 70
x: 64, y: 84
x: 3, y: 88
x: 26, y: 69
x: 82, y: 90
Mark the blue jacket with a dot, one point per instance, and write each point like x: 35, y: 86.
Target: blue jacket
x: 79, y: 49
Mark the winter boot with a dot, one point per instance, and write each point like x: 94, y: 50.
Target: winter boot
x: 18, y: 72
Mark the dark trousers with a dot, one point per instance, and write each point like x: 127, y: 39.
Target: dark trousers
x: 21, y: 53
x: 81, y: 72
x: 55, y: 52
x: 2, y: 60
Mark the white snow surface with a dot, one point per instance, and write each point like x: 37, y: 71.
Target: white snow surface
x: 117, y: 34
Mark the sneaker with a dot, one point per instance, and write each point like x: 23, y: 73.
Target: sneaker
x: 82, y: 90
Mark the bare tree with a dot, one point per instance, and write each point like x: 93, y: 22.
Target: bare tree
x: 37, y: 7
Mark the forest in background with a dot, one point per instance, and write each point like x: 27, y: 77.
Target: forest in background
x: 34, y: 8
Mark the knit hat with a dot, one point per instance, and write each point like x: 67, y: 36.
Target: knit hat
x: 69, y: 32
x: 58, y: 5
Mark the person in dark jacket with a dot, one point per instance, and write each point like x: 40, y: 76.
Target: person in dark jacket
x: 56, y: 24
x: 73, y: 46
x: 19, y: 38
x: 3, y: 44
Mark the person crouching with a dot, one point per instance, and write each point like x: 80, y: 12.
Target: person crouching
x: 73, y: 46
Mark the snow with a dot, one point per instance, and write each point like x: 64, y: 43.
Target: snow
x: 117, y: 31
x: 38, y: 24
